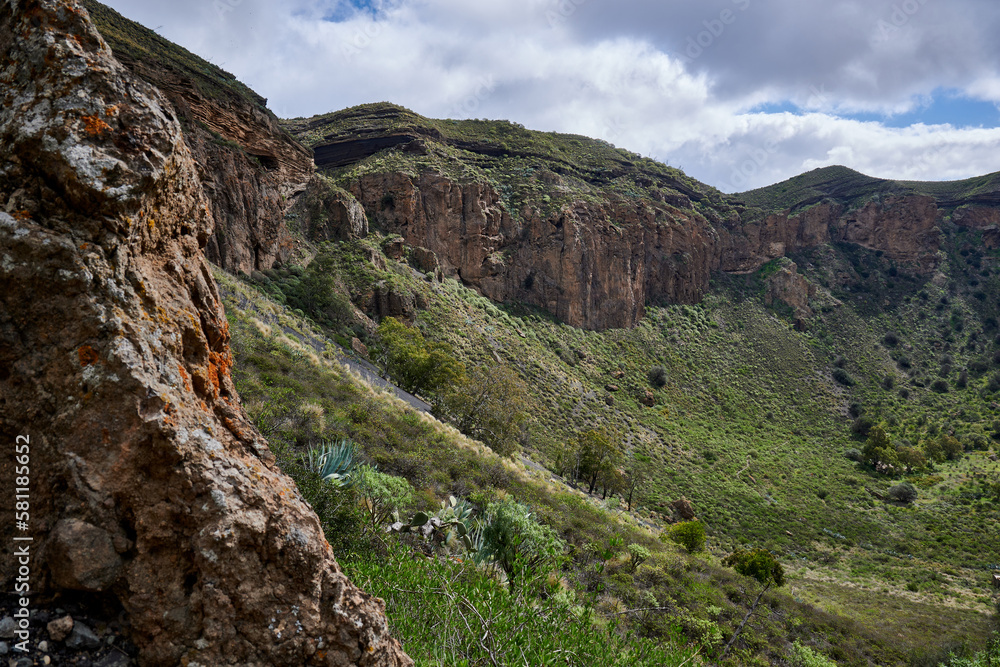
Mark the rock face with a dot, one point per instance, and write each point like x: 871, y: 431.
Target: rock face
x: 149, y: 486
x: 249, y: 167
x: 595, y: 264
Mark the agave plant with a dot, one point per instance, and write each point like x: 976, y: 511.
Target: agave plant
x: 333, y: 462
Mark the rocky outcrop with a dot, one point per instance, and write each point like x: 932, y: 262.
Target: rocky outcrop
x: 595, y: 264
x: 249, y: 166
x: 789, y: 287
x: 328, y: 213
x: 150, y: 489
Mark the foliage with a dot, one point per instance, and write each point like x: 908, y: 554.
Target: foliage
x: 448, y: 613
x: 382, y: 495
x: 657, y: 376
x: 638, y: 555
x: 334, y: 463
x: 759, y: 564
x: 801, y: 655
x: 688, y: 534
x: 417, y: 366
x: 519, y: 545
x: 879, y: 451
x: 489, y: 404
x: 904, y: 492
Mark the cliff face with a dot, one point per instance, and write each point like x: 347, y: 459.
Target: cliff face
x: 595, y: 265
x: 150, y: 489
x: 248, y: 165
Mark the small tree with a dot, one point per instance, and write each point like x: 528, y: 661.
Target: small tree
x: 657, y: 376
x: 879, y: 450
x: 758, y: 564
x: 489, y: 404
x: 416, y: 365
x: 904, y: 493
x: 638, y: 554
x: 688, y: 534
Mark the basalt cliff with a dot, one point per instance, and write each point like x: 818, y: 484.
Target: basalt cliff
x: 150, y: 490
x: 591, y: 233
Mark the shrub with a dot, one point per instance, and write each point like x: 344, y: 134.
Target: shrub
x: 940, y: 386
x: 862, y: 426
x: 382, y: 495
x: 891, y: 339
x: 843, y: 377
x: 903, y: 493
x: 638, y: 554
x: 519, y: 545
x: 854, y: 455
x: 688, y: 534
x: 657, y: 376
x: 803, y: 656
x: 888, y: 382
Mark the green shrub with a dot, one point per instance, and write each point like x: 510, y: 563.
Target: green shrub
x: 382, y: 495
x: 803, y: 656
x: 638, y: 554
x: 516, y: 543
x: 843, y: 377
x: 903, y: 493
x: 657, y: 376
x: 688, y: 534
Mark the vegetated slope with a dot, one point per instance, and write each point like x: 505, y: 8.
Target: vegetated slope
x: 299, y: 396
x: 849, y: 187
x: 770, y: 379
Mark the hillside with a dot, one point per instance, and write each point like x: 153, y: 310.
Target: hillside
x: 541, y: 396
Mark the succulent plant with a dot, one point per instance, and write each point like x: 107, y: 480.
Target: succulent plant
x: 333, y: 462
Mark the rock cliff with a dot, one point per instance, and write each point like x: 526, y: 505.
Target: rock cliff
x: 150, y: 489
x: 248, y: 165
x: 595, y: 264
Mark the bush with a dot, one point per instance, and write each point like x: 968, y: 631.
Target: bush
x: 519, y: 545
x: 688, y: 534
x: 657, y: 376
x: 803, y: 656
x: 843, y: 377
x: 638, y: 554
x: 888, y: 382
x: 891, y: 339
x: 940, y: 386
x: 903, y: 493
x: 854, y: 455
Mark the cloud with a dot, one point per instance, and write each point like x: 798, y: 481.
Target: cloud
x: 739, y: 93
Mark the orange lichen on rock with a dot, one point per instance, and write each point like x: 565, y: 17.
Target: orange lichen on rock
x: 87, y: 355
x: 185, y: 377
x: 21, y: 215
x: 218, y: 368
x: 95, y: 127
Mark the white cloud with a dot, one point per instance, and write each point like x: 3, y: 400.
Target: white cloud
x: 626, y: 72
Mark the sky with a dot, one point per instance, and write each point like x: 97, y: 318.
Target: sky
x: 737, y: 93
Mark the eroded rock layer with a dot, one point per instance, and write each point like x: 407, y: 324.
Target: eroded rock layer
x: 149, y: 486
x: 595, y: 264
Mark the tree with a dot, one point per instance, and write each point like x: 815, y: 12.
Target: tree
x: 688, y: 534
x: 418, y: 366
x: 599, y: 457
x: 904, y: 493
x: 636, y: 473
x: 758, y: 564
x: 489, y: 404
x: 879, y: 451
